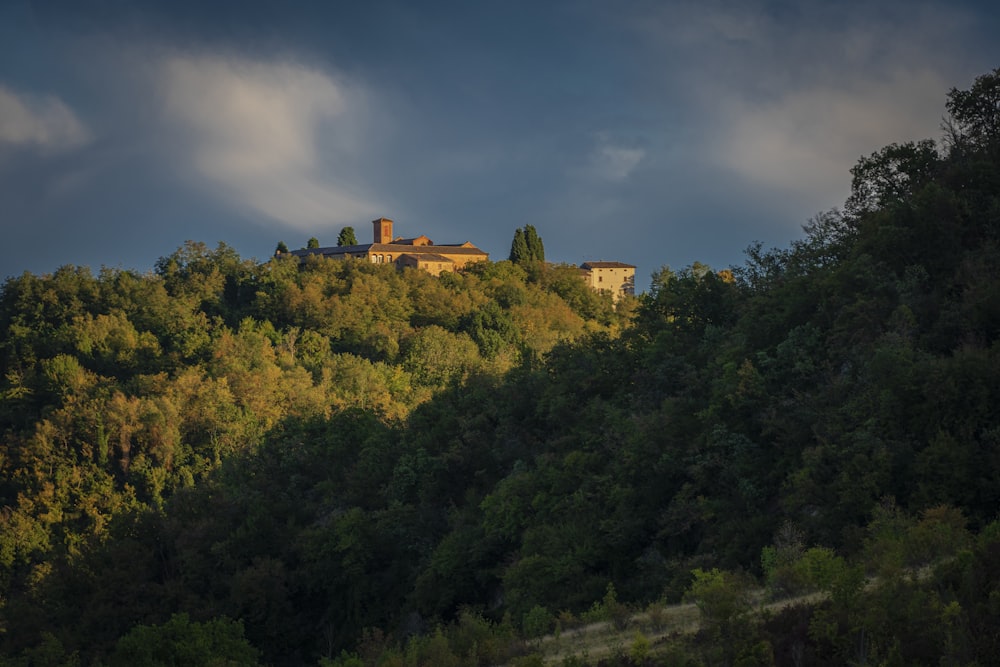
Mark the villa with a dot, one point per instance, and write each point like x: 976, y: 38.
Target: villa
x: 419, y: 252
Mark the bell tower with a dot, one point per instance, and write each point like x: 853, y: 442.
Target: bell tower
x: 383, y: 230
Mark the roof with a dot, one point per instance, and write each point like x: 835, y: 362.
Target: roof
x: 428, y: 257
x: 416, y: 240
x: 426, y: 249
x: 606, y: 265
x: 333, y: 251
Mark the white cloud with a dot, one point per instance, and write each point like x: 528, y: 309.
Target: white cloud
x: 805, y: 141
x: 277, y: 138
x: 787, y: 101
x: 39, y: 120
x: 615, y: 162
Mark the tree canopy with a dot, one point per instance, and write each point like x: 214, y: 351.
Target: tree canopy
x: 347, y: 237
x: 527, y: 246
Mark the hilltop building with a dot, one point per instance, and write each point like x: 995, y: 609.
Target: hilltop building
x: 419, y: 252
x: 616, y: 278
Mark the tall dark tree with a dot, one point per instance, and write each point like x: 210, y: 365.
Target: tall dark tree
x: 282, y: 248
x: 536, y: 251
x: 347, y: 237
x: 527, y: 246
x: 519, y: 247
x: 313, y: 242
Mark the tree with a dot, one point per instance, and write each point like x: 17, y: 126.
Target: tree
x: 974, y: 114
x: 181, y: 641
x: 519, y: 247
x: 347, y: 237
x: 891, y: 176
x: 526, y: 246
x: 313, y: 242
x: 537, y: 622
x: 536, y: 251
x: 282, y: 248
x: 725, y: 603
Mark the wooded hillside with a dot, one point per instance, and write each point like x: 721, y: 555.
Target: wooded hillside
x: 339, y: 462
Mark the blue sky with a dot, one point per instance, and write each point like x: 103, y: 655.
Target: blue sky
x: 654, y: 133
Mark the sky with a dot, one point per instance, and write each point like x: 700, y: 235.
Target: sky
x: 651, y: 133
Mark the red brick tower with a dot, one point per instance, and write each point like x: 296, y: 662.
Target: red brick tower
x: 383, y: 230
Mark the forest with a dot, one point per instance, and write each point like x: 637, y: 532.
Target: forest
x: 336, y: 463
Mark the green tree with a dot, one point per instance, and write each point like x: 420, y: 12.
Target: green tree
x: 436, y: 356
x: 347, y: 237
x: 181, y: 641
x: 724, y: 601
x: 313, y: 242
x: 974, y: 114
x: 526, y: 246
x: 537, y: 622
x: 492, y: 328
x: 721, y: 597
x: 536, y: 251
x: 891, y: 176
x: 519, y: 247
x: 281, y: 249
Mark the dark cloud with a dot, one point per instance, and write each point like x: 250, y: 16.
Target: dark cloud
x: 652, y: 133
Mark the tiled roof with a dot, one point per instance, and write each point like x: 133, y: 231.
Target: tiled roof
x: 428, y: 257
x: 416, y: 240
x: 606, y: 265
x: 333, y: 251
x: 426, y: 249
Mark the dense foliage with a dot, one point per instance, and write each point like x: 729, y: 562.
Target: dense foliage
x: 347, y: 237
x: 527, y: 246
x: 364, y: 466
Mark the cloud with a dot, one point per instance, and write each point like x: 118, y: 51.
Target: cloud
x: 787, y: 100
x: 277, y: 138
x: 43, y: 121
x: 613, y: 162
x: 805, y: 140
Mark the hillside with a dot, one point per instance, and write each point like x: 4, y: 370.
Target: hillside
x: 337, y: 463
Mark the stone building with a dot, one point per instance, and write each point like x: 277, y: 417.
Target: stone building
x: 616, y: 278
x: 419, y: 252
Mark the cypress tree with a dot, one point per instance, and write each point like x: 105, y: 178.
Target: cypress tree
x: 519, y: 251
x: 536, y: 251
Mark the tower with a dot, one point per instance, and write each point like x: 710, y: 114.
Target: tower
x: 383, y: 230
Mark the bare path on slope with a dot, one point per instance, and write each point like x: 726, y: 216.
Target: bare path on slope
x: 602, y: 639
